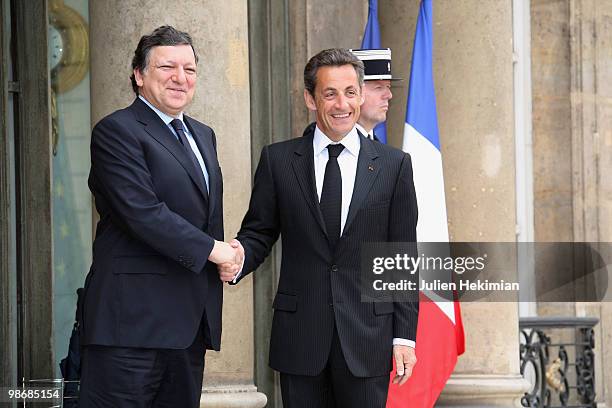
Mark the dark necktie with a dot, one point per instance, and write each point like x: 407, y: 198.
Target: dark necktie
x: 331, y: 195
x: 177, y: 125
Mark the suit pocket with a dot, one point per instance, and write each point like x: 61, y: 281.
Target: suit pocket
x: 383, y: 308
x: 139, y: 264
x: 376, y: 205
x: 287, y: 303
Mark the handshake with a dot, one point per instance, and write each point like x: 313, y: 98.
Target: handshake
x: 229, y: 258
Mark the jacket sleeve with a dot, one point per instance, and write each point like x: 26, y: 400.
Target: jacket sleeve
x: 402, y: 228
x: 120, y: 173
x: 261, y: 226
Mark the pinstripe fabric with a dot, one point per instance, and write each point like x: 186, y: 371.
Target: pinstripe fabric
x: 334, y: 387
x: 319, y: 289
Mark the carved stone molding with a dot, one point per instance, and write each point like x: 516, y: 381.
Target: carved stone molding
x: 232, y: 396
x: 483, y: 390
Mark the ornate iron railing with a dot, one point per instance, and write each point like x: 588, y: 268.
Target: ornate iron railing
x: 557, y: 357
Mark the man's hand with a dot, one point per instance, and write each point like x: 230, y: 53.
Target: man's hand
x: 405, y: 359
x: 228, y: 270
x: 223, y: 252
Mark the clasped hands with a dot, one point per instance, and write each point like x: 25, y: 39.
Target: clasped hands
x: 229, y: 258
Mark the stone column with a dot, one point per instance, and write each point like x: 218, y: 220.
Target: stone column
x: 591, y: 133
x: 573, y: 143
x: 220, y: 33
x: 316, y: 25
x: 473, y: 76
x: 603, y: 139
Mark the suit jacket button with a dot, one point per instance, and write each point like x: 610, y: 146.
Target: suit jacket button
x: 334, y: 268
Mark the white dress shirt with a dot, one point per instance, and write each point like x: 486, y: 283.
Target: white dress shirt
x: 347, y: 160
x: 192, y: 143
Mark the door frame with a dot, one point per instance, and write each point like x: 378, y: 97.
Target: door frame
x: 33, y: 228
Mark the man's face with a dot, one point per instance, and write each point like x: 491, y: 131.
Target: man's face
x: 337, y: 98
x: 374, y: 109
x: 169, y: 80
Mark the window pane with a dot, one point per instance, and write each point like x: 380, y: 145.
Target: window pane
x: 72, y: 207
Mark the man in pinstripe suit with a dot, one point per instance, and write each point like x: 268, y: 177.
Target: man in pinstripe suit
x: 325, y: 193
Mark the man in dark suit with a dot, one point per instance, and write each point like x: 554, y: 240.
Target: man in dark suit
x: 326, y: 193
x: 153, y: 299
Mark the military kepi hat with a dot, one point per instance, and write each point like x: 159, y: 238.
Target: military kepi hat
x: 377, y: 64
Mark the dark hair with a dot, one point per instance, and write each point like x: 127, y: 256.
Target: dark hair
x: 164, y: 35
x: 334, y: 57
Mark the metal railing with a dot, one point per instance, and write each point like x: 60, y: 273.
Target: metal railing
x: 557, y: 357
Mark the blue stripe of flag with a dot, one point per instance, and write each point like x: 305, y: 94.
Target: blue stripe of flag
x: 421, y: 105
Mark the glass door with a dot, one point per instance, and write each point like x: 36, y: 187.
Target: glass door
x: 68, y: 54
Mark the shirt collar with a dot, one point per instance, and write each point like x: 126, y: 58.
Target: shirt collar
x: 164, y: 116
x: 350, y: 142
x: 363, y: 131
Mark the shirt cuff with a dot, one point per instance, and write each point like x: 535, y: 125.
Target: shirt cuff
x: 240, y: 271
x: 403, y: 342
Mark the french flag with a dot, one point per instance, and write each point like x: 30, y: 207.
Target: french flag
x: 440, y: 338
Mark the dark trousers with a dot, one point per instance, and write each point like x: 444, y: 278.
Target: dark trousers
x: 334, y: 387
x: 127, y: 377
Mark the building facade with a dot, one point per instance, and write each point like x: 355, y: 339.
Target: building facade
x: 523, y: 90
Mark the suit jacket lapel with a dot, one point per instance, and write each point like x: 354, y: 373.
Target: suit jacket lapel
x: 160, y: 132
x: 209, y: 156
x: 367, y: 171
x: 303, y: 167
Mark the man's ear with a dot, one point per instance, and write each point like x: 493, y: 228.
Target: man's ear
x: 362, y: 95
x: 138, y: 77
x: 310, y: 102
